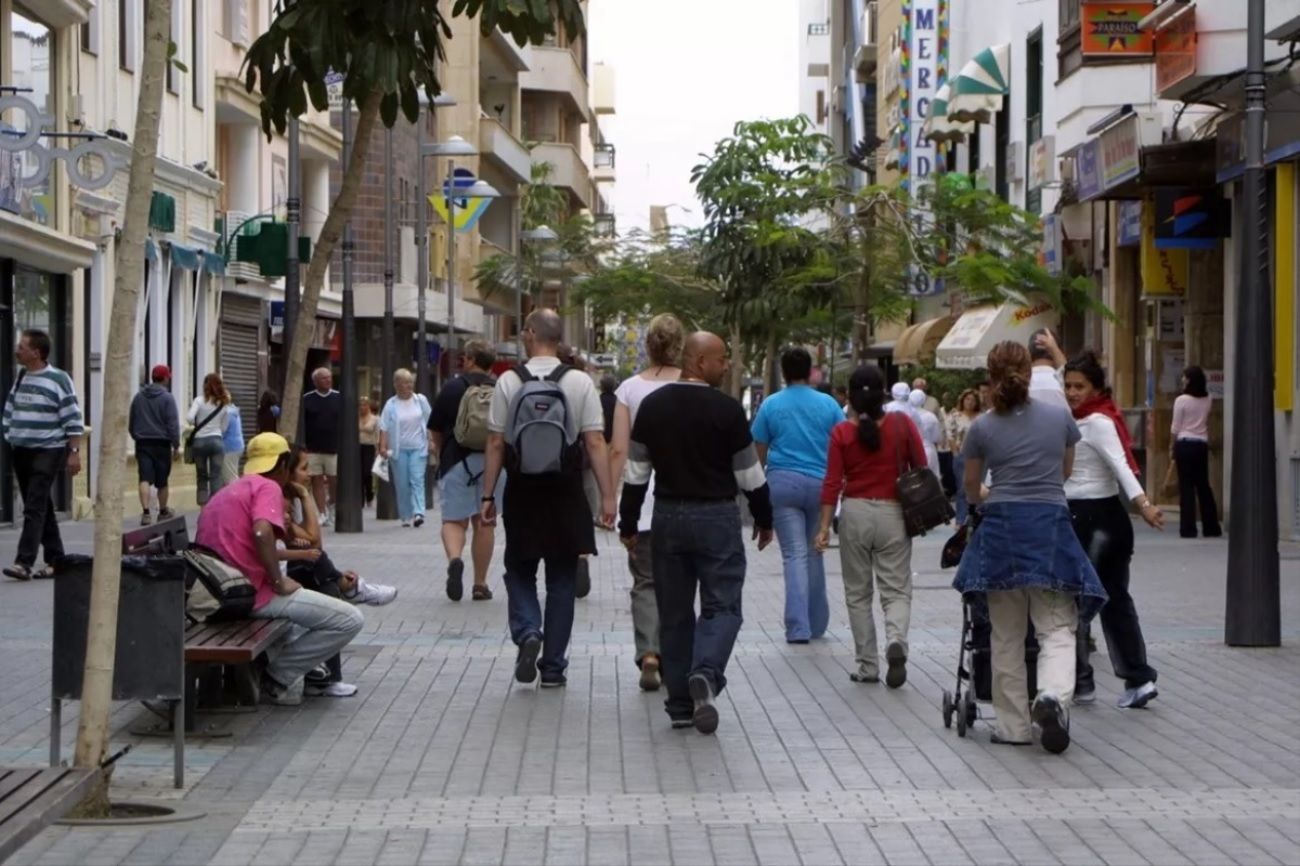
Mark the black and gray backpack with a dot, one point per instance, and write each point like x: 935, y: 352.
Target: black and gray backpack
x: 541, y: 432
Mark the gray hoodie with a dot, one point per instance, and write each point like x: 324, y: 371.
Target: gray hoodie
x: 154, y: 416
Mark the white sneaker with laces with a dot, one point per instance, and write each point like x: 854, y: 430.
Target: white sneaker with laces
x: 1136, y: 699
x: 372, y: 593
x: 333, y: 690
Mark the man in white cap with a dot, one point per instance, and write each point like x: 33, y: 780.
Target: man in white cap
x: 901, y: 403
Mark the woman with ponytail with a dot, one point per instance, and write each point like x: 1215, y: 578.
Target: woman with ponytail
x: 1103, y: 466
x: 1024, y: 555
x: 867, y: 454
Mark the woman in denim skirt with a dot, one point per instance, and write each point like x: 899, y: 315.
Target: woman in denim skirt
x: 1025, y: 555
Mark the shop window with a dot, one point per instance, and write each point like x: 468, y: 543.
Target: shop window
x: 1033, y: 110
x: 32, y: 51
x: 90, y: 32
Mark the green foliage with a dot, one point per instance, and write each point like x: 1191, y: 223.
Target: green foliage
x: 392, y: 48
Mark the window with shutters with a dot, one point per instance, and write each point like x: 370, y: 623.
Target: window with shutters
x: 198, y: 52
x: 127, y: 35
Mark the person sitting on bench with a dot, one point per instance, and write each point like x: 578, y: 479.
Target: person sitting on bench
x: 242, y: 523
x: 312, y: 568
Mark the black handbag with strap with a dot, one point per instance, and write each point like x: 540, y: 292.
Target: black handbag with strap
x: 920, y: 493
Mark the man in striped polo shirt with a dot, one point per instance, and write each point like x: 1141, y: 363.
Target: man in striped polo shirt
x: 42, y: 424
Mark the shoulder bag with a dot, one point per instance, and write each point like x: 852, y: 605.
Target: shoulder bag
x: 919, y: 492
x: 188, y: 455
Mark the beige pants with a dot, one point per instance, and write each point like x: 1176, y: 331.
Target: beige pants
x: 1055, y: 617
x: 875, y: 551
x: 230, y: 467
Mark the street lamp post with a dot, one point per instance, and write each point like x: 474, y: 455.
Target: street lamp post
x: 385, y: 504
x: 292, y: 272
x: 1253, y: 602
x: 348, y: 507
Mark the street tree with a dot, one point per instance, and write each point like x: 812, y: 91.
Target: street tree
x: 388, y: 54
x: 101, y: 637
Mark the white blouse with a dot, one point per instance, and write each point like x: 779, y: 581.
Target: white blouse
x: 1100, y: 467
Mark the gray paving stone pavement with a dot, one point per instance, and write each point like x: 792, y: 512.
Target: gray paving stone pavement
x: 441, y: 758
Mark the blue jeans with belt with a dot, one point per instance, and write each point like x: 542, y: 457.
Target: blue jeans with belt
x: 696, y: 544
x: 796, y: 514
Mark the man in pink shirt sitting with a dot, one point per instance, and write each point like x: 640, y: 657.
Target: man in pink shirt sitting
x: 241, y: 523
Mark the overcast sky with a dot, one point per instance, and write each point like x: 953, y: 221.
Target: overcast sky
x: 685, y: 72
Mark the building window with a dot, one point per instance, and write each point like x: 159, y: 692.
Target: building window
x: 127, y: 34
x: 90, y: 32
x: 1033, y: 110
x: 173, y: 71
x: 1001, y: 146
x: 1069, y: 53
x: 32, y: 53
x: 198, y: 51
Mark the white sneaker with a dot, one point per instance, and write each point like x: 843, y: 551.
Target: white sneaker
x: 333, y: 690
x: 371, y: 593
x: 1136, y: 699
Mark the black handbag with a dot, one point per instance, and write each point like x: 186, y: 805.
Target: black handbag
x: 924, y: 503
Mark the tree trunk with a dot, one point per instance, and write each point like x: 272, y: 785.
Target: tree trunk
x: 737, y: 363
x: 330, y: 233
x: 771, y: 384
x: 119, y: 376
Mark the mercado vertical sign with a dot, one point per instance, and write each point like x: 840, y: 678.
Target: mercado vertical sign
x: 924, y: 49
x: 1111, y: 29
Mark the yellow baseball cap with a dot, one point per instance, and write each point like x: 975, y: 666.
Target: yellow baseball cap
x: 263, y: 452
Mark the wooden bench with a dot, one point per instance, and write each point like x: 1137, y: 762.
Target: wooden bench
x: 32, y: 799
x: 237, y: 643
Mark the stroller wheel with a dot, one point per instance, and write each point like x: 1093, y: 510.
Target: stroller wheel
x: 962, y: 724
x: 948, y: 708
x: 968, y: 708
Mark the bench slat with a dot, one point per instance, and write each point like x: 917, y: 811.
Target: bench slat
x: 232, y: 642
x: 47, y: 796
x: 10, y: 781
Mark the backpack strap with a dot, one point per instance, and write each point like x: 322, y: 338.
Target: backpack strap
x: 558, y: 373
x: 525, y: 375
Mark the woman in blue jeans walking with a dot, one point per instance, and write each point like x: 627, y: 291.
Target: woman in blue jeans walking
x: 404, y: 440
x: 793, y: 430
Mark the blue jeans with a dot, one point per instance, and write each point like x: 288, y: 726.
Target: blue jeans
x: 525, y: 610
x: 696, y: 544
x: 796, y: 509
x: 959, y: 503
x: 322, y: 627
x: 408, y: 467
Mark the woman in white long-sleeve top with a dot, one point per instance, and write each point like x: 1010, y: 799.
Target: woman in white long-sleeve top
x: 1103, y: 467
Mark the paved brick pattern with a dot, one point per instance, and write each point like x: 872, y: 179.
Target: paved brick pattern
x: 442, y: 759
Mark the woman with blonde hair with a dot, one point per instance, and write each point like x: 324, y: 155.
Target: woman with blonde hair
x: 208, y: 418
x: 1025, y: 555
x: 958, y: 423
x: 664, y: 340
x: 404, y: 440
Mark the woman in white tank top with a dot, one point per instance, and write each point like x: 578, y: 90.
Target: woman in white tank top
x: 664, y: 347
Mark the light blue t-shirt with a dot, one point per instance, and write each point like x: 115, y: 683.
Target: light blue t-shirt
x: 795, y: 425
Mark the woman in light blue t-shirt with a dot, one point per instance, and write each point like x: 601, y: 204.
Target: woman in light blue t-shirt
x: 793, y: 433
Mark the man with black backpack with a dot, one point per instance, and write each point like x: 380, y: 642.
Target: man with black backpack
x: 458, y: 428
x: 543, y: 414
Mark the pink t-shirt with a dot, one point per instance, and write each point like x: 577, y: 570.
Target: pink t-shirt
x: 226, y: 527
x: 1192, y: 418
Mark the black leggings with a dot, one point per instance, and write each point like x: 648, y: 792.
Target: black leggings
x: 1105, y: 532
x: 321, y: 576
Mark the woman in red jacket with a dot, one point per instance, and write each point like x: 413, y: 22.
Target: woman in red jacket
x: 867, y: 454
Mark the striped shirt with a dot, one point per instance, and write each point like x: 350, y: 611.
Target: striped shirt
x: 42, y: 411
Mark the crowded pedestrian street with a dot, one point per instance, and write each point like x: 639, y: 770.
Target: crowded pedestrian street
x: 442, y: 757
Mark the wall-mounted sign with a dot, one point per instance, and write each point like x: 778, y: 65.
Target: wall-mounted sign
x: 1120, y: 150
x: 1042, y: 162
x: 1130, y: 223
x: 1165, y: 273
x: 922, y: 60
x: 1051, y: 256
x: 1111, y: 29
x: 1176, y: 49
x: 1087, y: 170
x: 1190, y: 219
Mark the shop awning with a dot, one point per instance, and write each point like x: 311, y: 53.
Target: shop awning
x: 939, y: 126
x: 966, y: 346
x: 184, y: 257
x: 918, y: 343
x: 976, y: 92
x: 213, y: 263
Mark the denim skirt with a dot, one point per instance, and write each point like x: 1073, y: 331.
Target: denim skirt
x: 1028, y: 545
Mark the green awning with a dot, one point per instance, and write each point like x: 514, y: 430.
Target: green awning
x: 977, y: 91
x: 939, y: 126
x: 150, y: 251
x: 184, y: 257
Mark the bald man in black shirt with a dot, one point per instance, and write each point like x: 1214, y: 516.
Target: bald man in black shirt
x: 696, y: 441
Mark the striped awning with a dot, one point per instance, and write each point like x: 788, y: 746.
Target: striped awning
x: 939, y: 126
x: 976, y: 92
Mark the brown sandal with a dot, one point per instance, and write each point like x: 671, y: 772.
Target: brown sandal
x: 481, y: 593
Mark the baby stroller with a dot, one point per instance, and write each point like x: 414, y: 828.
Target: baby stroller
x: 974, y: 659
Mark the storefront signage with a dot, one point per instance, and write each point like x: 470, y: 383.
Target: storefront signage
x: 1215, y: 384
x: 1130, y: 223
x: 1087, y: 170
x: 1190, y: 219
x: 922, y: 59
x: 25, y: 160
x: 1165, y: 273
x: 1119, y: 152
x: 1042, y: 162
x: 1281, y: 142
x: 1052, y: 244
x: 1111, y: 29
x: 1176, y: 49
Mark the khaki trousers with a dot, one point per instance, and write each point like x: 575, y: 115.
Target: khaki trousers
x: 875, y: 550
x: 1055, y: 617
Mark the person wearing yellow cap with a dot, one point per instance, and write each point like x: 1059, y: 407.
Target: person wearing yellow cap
x: 241, y: 523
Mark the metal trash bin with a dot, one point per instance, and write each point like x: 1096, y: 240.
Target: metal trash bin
x: 150, y: 657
